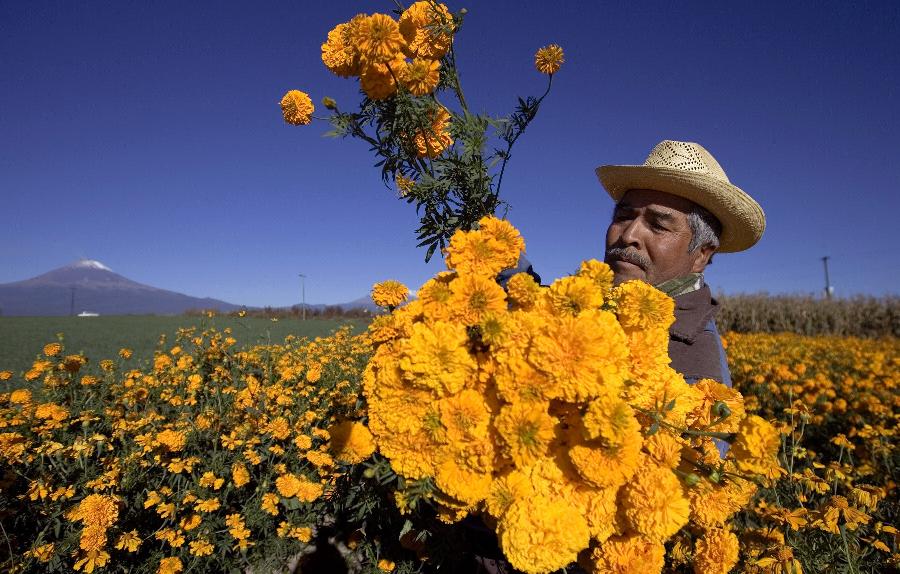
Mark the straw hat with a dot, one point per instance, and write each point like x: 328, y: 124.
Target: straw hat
x: 687, y: 170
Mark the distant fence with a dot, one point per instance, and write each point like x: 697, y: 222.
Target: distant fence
x: 807, y: 315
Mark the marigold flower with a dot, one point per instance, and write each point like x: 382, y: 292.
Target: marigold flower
x: 170, y: 565
x: 548, y: 59
x: 97, y: 510
x: 351, y: 442
x: 269, y: 503
x: 427, y: 29
x: 628, y: 554
x: 52, y: 349
x: 201, y: 548
x: 527, y: 430
x: 716, y: 552
x: 389, y: 293
x: 378, y: 39
x: 91, y: 560
x: 654, y: 503
x: 436, y: 138
x: 386, y: 565
x: 239, y: 474
x: 640, y: 305
x: 297, y: 108
x: 435, y: 357
x: 339, y: 55
x: 474, y: 297
x: 542, y: 535
x: 379, y: 80
x: 420, y: 76
x: 174, y: 441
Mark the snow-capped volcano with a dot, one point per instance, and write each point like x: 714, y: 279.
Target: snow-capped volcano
x: 90, y: 264
x: 89, y: 285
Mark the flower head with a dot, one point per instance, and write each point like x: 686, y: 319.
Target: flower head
x: 297, y: 108
x: 548, y: 59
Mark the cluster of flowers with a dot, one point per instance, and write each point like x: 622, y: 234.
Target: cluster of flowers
x: 554, y: 414
x: 388, y: 55
x: 206, y: 460
x: 836, y: 402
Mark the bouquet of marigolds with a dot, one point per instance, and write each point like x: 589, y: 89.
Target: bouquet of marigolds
x: 553, y: 414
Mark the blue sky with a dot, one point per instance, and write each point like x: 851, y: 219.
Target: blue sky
x: 147, y: 135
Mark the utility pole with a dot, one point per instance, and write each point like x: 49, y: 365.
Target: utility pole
x: 72, y: 302
x: 303, y: 295
x: 828, y: 288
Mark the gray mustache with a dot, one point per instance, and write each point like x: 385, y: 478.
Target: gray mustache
x: 629, y: 255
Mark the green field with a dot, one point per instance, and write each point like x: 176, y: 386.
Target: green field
x: 23, y: 338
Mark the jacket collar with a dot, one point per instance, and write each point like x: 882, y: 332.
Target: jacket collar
x: 693, y: 312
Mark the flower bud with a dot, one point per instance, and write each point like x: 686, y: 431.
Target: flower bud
x: 369, y: 473
x: 691, y: 479
x: 329, y: 103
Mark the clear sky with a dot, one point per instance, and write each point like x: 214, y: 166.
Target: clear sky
x: 147, y: 135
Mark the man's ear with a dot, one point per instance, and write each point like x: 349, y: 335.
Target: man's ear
x: 702, y: 257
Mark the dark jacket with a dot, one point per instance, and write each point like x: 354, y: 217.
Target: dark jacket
x: 694, y: 343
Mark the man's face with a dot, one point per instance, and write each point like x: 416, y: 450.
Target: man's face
x: 649, y: 236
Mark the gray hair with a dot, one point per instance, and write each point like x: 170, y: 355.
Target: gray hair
x: 705, y: 228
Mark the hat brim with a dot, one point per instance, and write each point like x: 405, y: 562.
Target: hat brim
x: 742, y: 218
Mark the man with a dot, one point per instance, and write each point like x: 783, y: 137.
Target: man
x: 672, y: 213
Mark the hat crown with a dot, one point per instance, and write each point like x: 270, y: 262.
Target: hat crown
x: 685, y: 156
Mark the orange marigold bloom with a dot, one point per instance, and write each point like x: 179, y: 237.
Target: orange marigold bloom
x: 338, y: 54
x: 716, y: 552
x: 389, y: 293
x: 548, y: 59
x: 378, y: 39
x: 427, y: 29
x: 171, y: 565
x: 421, y: 76
x: 297, y: 108
x: 474, y: 297
x: 654, y: 503
x: 351, y: 442
x: 432, y: 142
x: 632, y: 554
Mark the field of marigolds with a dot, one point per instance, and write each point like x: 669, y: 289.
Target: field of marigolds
x: 475, y: 427
x: 538, y: 425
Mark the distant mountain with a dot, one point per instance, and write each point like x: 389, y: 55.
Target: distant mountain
x: 95, y: 288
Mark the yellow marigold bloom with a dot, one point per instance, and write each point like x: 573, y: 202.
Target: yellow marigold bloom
x: 712, y: 505
x: 379, y: 80
x: 505, y: 490
x: 654, y: 503
x: 351, y: 442
x: 716, y: 397
x: 436, y: 138
x: 5, y: 376
x: 527, y: 430
x: 171, y: 565
x: 642, y: 306
x: 427, y: 29
x: 420, y: 76
x: 338, y: 55
x: 465, y: 416
x: 210, y: 480
x: 505, y: 234
x: 96, y: 510
x: 319, y: 459
x: 208, y: 505
x: 201, y: 548
x: 19, y: 396
x: 542, y: 535
x: 42, y: 553
x: 716, y: 552
x: 386, y: 565
x: 92, y: 560
x: 378, y: 39
x: 434, y: 296
x: 389, y: 293
x: 239, y: 474
x: 93, y: 538
x: 475, y: 296
x: 630, y: 554
x: 665, y: 448
x: 574, y: 294
x: 173, y: 440
x: 611, y: 463
x: 190, y: 522
x: 436, y: 357
x: 548, y: 59
x: 756, y: 445
x: 287, y: 485
x: 462, y: 482
x: 297, y: 108
x: 582, y: 356
x: 52, y: 349
x: 480, y: 253
x: 269, y: 503
x: 125, y: 353
x: 523, y: 291
x: 598, y: 272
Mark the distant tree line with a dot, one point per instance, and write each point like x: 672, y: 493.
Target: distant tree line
x: 807, y: 315
x: 295, y: 312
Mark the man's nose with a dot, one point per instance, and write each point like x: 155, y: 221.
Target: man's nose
x: 631, y: 233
